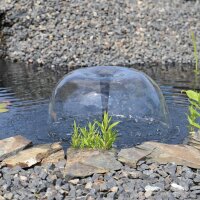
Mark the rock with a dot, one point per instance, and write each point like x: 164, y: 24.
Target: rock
x: 131, y: 156
x: 176, y: 186
x: 194, y: 139
x: 74, y: 181
x: 88, y: 185
x: 197, y: 179
x: 114, y: 189
x: 151, y: 188
x: 196, y: 187
x: 167, y: 153
x: 148, y: 194
x: 8, y: 196
x: 54, y: 157
x: 12, y: 145
x: 32, y: 156
x: 81, y: 163
x: 170, y: 168
x: 2, y: 198
x: 135, y: 174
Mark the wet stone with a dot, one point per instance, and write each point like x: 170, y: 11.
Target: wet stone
x: 32, y: 156
x: 11, y: 146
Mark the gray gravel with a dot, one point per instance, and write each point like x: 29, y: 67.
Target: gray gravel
x: 148, y: 181
x: 85, y: 32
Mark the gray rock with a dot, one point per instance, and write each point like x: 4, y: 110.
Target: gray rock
x: 8, y: 196
x: 88, y: 162
x: 197, y: 179
x: 171, y: 169
x: 196, y: 187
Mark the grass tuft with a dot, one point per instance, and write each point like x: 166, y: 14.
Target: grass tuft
x: 96, y: 135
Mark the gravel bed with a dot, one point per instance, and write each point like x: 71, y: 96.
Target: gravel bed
x: 74, y: 33
x: 148, y: 181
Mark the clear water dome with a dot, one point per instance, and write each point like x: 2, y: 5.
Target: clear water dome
x: 128, y: 95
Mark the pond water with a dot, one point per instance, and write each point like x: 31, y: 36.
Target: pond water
x: 28, y: 90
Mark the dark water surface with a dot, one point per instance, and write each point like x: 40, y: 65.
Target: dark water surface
x: 28, y: 89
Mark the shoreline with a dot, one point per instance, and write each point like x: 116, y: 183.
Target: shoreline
x: 71, y: 34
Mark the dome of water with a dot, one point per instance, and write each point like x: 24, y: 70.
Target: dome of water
x: 128, y: 95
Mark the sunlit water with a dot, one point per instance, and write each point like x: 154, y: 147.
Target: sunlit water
x: 28, y: 89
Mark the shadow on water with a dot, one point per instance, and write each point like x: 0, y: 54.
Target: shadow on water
x: 28, y: 89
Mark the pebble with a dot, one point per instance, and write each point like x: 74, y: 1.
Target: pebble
x: 176, y: 186
x: 127, y: 183
x: 151, y: 188
x: 74, y: 181
x: 82, y: 33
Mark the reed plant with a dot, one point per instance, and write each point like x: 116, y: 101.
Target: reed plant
x: 194, y: 110
x: 96, y: 135
x: 194, y: 42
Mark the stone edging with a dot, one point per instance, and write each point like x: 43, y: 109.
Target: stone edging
x: 14, y: 152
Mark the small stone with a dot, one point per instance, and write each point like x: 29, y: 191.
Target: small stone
x: 23, y: 178
x: 148, y: 194
x: 8, y: 196
x: 196, y: 187
x: 176, y: 186
x: 134, y: 174
x: 114, y: 189
x: 176, y: 195
x: 103, y: 187
x: 74, y: 181
x: 162, y: 173
x: 197, y: 179
x: 196, y: 191
x: 2, y: 198
x: 170, y: 168
x: 151, y: 188
x: 141, y: 195
x: 88, y: 185
x: 193, y: 195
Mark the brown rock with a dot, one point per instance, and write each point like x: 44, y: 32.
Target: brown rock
x: 81, y: 163
x: 131, y: 156
x: 179, y: 154
x: 161, y: 153
x: 194, y: 139
x: 12, y: 145
x: 55, y: 157
x: 32, y: 156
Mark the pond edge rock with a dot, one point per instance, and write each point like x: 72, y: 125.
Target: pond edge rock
x: 86, y: 162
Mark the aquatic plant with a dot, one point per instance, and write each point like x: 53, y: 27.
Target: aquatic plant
x: 194, y: 110
x: 3, y: 107
x: 96, y: 135
x: 195, y: 52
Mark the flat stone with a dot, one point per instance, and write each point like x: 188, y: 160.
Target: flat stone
x: 131, y: 156
x: 54, y: 157
x: 168, y: 153
x: 32, y: 156
x: 81, y: 163
x: 12, y: 145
